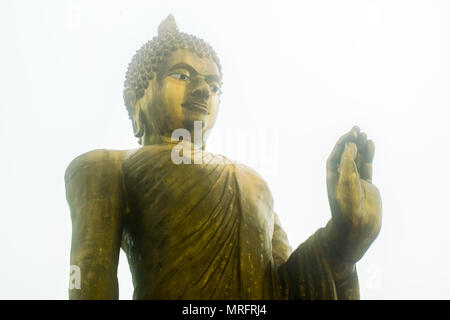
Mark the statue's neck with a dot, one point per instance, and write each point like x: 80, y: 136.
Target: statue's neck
x: 162, y: 139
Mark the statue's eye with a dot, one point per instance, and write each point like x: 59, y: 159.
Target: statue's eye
x: 214, y: 88
x: 179, y: 76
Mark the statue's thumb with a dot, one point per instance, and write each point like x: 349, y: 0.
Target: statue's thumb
x: 347, y: 164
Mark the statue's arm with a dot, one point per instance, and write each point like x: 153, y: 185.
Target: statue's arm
x: 281, y: 250
x: 95, y: 194
x: 314, y: 270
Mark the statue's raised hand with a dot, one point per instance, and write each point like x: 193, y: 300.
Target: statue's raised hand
x: 354, y: 201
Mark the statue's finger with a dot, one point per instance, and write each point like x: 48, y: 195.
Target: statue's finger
x: 359, y: 160
x: 348, y: 172
x: 347, y: 164
x: 366, y: 171
x: 336, y: 154
x: 369, y: 151
x: 355, y: 130
x: 362, y: 141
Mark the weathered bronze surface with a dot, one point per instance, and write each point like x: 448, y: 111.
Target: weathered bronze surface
x: 208, y: 230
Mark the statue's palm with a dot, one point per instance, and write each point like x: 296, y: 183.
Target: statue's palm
x: 354, y: 201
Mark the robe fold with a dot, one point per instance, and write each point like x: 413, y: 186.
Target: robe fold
x: 205, y: 231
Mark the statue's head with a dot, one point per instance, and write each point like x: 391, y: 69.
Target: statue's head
x: 172, y: 81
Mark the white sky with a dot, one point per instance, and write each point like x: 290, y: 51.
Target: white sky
x: 297, y: 75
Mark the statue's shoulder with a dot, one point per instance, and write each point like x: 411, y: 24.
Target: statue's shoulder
x: 252, y: 175
x: 253, y: 182
x: 102, y: 160
x: 249, y: 171
x: 95, y: 188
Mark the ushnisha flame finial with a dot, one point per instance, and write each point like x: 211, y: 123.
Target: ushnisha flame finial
x: 168, y: 25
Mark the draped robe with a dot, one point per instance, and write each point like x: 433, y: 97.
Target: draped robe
x: 191, y: 231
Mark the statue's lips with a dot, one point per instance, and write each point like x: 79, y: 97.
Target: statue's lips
x: 196, y: 106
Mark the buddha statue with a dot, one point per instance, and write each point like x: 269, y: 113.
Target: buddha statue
x: 206, y: 229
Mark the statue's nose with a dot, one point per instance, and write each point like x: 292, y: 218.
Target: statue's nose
x: 201, y: 90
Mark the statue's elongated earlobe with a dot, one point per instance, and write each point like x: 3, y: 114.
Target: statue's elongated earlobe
x: 138, y: 123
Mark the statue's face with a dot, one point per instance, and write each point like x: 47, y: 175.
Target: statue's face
x: 185, y: 90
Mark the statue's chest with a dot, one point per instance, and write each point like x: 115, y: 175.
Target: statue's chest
x: 185, y: 197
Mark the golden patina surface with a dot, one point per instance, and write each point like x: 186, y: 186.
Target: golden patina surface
x: 206, y: 230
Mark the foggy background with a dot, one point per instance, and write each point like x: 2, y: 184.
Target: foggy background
x: 297, y: 75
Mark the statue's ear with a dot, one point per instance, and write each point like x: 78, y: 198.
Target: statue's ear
x: 138, y: 123
x: 134, y: 111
